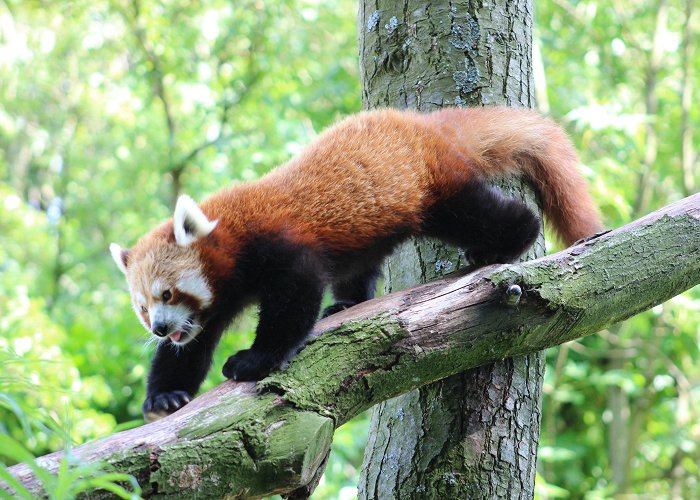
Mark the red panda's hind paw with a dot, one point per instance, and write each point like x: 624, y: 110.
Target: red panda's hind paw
x: 511, y: 237
x: 340, y: 305
x: 250, y: 364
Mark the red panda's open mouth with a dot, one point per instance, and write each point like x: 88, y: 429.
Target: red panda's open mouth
x: 175, y: 336
x: 185, y: 333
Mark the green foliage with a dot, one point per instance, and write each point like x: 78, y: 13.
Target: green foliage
x: 23, y: 417
x: 87, y: 156
x: 621, y: 408
x: 340, y: 478
x: 68, y: 482
x: 110, y: 108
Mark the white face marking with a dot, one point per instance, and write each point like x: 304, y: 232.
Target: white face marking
x: 157, y: 288
x: 176, y: 315
x: 193, y: 283
x: 155, y: 312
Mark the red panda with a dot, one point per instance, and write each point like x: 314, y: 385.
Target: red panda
x: 328, y: 217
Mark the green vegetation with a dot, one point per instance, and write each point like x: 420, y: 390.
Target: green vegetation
x: 110, y: 108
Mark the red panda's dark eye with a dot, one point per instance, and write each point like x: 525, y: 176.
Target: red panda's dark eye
x: 143, y: 309
x: 167, y: 295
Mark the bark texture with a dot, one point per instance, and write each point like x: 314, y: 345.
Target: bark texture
x: 473, y: 435
x: 248, y: 441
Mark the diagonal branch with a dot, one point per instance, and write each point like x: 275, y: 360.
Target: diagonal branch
x: 243, y: 440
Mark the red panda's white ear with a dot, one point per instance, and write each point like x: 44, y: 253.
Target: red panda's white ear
x: 189, y: 222
x: 120, y: 256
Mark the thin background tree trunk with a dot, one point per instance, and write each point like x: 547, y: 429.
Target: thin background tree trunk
x: 687, y: 46
x: 473, y: 435
x: 651, y: 105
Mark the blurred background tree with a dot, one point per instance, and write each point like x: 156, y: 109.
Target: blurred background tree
x: 110, y: 108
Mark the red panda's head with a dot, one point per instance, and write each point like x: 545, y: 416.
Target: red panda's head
x: 170, y: 292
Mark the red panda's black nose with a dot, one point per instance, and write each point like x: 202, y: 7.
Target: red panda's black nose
x: 160, y: 329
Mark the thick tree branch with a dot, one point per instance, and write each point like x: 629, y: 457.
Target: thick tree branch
x: 245, y: 441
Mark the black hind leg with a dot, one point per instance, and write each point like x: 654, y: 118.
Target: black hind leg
x: 490, y: 226
x: 350, y: 291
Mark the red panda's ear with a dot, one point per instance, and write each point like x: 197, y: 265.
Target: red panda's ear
x: 120, y: 256
x: 189, y: 222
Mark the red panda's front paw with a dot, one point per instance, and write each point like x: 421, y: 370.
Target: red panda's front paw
x: 162, y: 404
x: 249, y: 364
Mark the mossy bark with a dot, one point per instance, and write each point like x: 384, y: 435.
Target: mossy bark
x: 245, y: 440
x: 473, y: 435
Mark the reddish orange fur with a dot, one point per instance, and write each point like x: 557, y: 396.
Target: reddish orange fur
x: 507, y: 140
x: 378, y: 171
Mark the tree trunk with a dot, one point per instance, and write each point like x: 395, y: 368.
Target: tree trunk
x: 242, y: 440
x: 473, y: 435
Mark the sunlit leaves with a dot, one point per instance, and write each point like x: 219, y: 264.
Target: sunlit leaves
x: 86, y: 158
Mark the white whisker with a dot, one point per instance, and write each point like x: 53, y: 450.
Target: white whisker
x: 150, y: 340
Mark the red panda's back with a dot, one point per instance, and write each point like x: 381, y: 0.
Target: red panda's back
x: 360, y: 180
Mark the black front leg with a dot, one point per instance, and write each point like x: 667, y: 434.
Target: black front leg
x: 177, y: 372
x: 291, y: 289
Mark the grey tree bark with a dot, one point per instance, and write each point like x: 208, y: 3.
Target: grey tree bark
x: 473, y: 435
